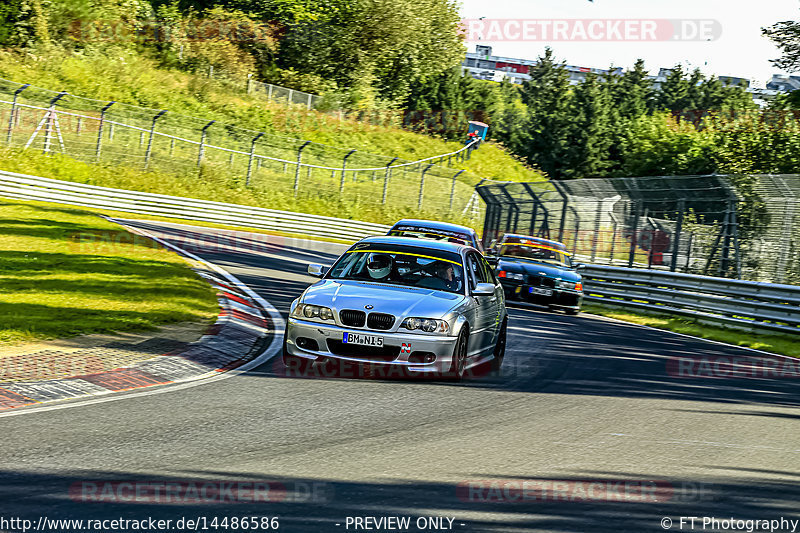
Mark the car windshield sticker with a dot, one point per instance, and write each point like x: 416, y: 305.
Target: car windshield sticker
x: 433, y: 231
x: 401, y: 252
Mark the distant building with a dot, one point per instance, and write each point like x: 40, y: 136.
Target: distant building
x: 783, y: 84
x: 482, y: 65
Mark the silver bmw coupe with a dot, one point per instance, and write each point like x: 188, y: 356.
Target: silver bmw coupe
x: 427, y: 308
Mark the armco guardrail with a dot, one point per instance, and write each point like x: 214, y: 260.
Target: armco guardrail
x: 733, y: 302
x: 24, y: 187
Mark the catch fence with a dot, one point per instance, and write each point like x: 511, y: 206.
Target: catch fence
x: 745, y: 227
x: 283, y: 169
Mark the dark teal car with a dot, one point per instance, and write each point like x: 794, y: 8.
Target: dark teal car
x: 538, y: 271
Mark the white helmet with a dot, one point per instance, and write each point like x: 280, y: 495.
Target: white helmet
x: 379, y: 266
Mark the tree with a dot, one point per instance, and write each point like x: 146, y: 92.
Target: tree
x: 633, y: 93
x: 388, y: 44
x: 547, y: 98
x: 786, y: 36
x: 508, y: 121
x: 23, y: 23
x: 590, y: 131
x: 674, y: 93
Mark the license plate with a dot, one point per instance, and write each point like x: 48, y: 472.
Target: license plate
x: 364, y: 340
x: 542, y: 292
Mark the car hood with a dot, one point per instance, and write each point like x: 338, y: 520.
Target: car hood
x: 391, y: 299
x: 537, y: 269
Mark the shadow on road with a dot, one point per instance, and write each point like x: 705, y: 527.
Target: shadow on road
x: 590, y: 501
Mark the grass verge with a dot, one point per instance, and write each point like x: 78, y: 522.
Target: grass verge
x: 269, y: 189
x: 768, y: 342
x: 53, y: 286
x: 128, y: 77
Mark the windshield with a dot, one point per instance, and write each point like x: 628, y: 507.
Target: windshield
x: 406, y: 266
x: 536, y: 252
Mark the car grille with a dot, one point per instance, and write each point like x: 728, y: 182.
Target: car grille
x: 536, y: 281
x: 371, y: 353
x: 380, y: 321
x: 353, y: 318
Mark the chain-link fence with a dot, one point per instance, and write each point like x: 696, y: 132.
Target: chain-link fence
x: 746, y: 227
x: 280, y: 94
x: 152, y: 139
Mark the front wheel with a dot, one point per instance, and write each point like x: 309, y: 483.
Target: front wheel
x: 500, y: 348
x: 572, y: 311
x: 459, y: 363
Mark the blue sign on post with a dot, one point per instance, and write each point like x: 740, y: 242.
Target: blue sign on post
x: 479, y: 128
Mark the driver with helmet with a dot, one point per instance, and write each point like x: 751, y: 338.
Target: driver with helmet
x: 379, y: 266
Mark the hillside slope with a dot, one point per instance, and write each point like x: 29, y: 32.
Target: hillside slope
x: 129, y: 78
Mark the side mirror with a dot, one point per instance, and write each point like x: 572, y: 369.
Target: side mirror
x: 483, y: 289
x: 579, y: 266
x: 317, y: 270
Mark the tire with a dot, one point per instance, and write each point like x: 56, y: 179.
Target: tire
x: 458, y: 366
x: 500, y: 348
x: 572, y: 311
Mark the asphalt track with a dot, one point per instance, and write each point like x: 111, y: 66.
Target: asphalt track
x: 586, y: 414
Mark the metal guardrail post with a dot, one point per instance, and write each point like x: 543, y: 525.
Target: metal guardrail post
x: 344, y: 167
x: 653, y: 229
x: 422, y: 186
x: 596, y: 228
x: 676, y: 240
x: 203, y: 140
x: 308, y: 105
x: 250, y: 161
x: 634, y: 233
x: 100, y: 129
x: 13, y: 111
x: 453, y: 188
x: 297, y: 170
x: 150, y: 139
x: 689, y: 252
x: 565, y: 203
x: 614, y: 226
x: 386, y: 180
x: 736, y: 251
x: 51, y: 118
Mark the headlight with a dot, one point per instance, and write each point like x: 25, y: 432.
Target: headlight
x: 312, y: 311
x: 510, y: 275
x: 428, y: 325
x: 569, y: 285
